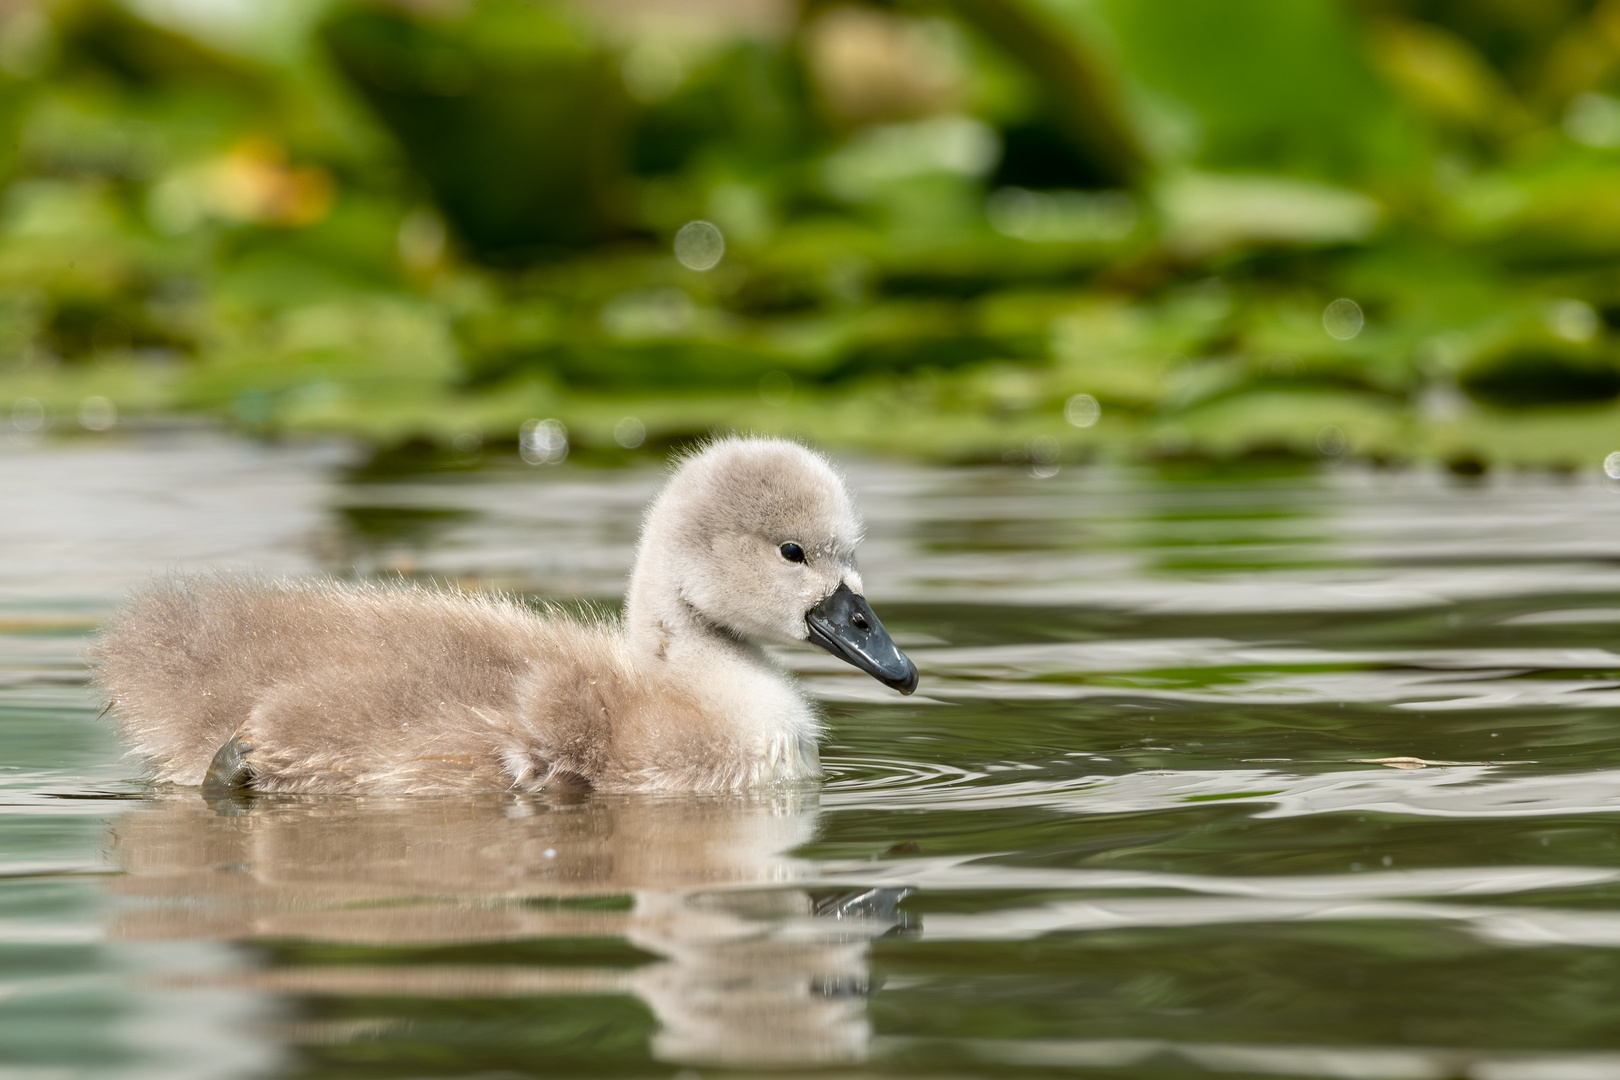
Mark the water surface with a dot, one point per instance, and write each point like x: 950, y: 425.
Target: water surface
x: 1291, y: 774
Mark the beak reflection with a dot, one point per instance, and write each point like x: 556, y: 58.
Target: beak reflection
x: 844, y: 625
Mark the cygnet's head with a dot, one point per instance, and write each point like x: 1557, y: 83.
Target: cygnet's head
x: 757, y: 536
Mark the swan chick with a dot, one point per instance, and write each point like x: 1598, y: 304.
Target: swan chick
x: 327, y: 687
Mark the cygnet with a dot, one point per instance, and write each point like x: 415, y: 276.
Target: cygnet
x: 324, y: 687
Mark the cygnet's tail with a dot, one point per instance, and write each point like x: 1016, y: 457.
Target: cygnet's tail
x: 179, y: 666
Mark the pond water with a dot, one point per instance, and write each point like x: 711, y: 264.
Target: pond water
x: 1300, y: 773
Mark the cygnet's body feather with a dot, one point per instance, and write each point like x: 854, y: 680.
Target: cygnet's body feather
x: 330, y: 687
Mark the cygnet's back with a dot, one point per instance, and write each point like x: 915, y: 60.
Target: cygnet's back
x: 328, y: 687
x: 332, y: 678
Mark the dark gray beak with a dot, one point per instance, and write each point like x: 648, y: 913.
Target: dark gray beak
x: 844, y: 625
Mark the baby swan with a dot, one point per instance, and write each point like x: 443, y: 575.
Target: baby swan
x: 324, y: 687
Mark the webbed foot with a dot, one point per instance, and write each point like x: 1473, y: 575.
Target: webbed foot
x: 230, y: 773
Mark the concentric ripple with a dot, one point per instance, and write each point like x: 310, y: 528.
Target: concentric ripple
x: 861, y: 776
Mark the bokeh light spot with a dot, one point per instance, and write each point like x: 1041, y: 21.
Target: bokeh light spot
x: 629, y: 432
x: 28, y: 414
x: 1082, y: 410
x: 97, y: 413
x: 543, y: 442
x: 700, y: 245
x: 1343, y: 319
x: 1331, y: 441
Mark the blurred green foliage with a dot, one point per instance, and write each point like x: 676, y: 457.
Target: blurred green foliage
x: 1032, y: 230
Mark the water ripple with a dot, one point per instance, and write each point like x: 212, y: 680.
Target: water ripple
x: 1465, y: 791
x: 861, y: 776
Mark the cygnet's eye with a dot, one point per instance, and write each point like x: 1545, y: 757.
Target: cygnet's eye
x: 792, y: 552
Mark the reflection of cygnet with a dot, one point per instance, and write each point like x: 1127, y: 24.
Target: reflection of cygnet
x: 751, y: 967
x: 447, y: 869
x: 323, y: 687
x: 757, y: 978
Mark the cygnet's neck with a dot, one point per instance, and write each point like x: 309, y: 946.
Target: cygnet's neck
x: 664, y: 627
x: 671, y: 640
